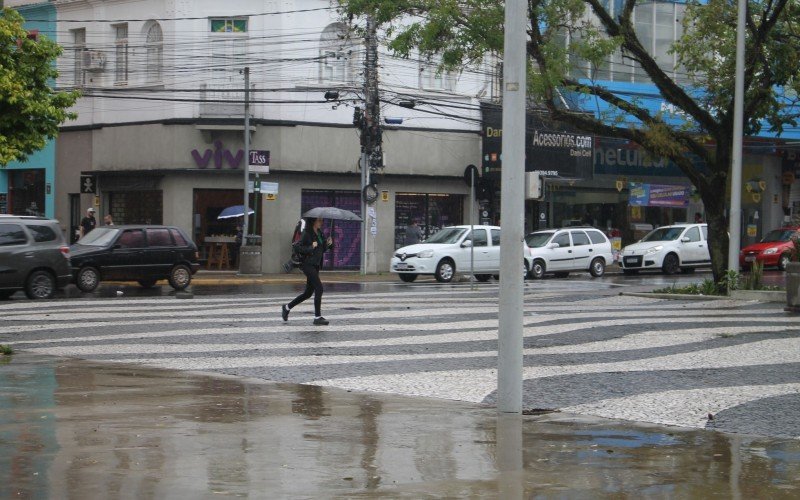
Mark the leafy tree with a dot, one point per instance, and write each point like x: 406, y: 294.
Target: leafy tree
x: 701, y: 89
x: 30, y: 110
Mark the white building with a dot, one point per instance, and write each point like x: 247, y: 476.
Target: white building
x: 161, y: 128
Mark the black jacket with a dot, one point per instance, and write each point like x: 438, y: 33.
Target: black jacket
x: 313, y: 255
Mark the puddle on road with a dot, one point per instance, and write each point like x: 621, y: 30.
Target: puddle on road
x: 76, y: 429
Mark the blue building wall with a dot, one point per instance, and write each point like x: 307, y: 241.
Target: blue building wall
x: 43, y: 18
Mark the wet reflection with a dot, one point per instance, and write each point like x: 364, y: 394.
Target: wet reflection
x: 71, y: 429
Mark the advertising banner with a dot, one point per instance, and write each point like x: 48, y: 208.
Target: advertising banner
x: 659, y: 195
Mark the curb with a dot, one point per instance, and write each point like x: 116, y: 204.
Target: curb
x: 674, y: 296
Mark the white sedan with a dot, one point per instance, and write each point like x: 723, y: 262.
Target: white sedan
x: 448, y: 252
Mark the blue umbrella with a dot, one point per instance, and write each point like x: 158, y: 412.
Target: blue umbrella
x: 234, y: 211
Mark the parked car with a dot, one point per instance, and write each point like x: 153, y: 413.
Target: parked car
x: 34, y: 257
x: 447, y: 252
x: 774, y: 249
x: 144, y: 254
x: 561, y: 251
x: 680, y: 247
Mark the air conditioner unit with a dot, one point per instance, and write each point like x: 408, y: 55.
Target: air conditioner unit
x: 94, y: 60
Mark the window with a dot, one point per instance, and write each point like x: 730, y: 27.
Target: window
x: 154, y: 46
x: 597, y: 237
x: 430, y: 77
x: 131, y: 238
x: 480, y: 238
x: 705, y: 232
x: 178, y: 237
x: 693, y: 234
x: 158, y: 237
x: 12, y: 234
x: 78, y: 48
x: 229, y: 25
x: 121, y: 53
x: 337, y: 55
x: 579, y: 238
x: 42, y: 233
x: 562, y: 240
x: 496, y: 237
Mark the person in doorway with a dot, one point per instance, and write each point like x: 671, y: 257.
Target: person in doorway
x: 413, y: 233
x: 88, y: 223
x: 698, y: 218
x: 108, y: 220
x: 312, y: 247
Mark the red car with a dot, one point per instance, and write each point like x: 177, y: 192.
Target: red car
x: 775, y: 249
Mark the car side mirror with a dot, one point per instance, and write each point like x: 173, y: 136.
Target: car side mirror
x: 685, y: 239
x: 466, y: 244
x: 553, y: 245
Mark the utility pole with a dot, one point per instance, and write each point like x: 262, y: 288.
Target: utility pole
x: 512, y: 210
x: 371, y: 147
x: 245, y: 215
x: 735, y: 213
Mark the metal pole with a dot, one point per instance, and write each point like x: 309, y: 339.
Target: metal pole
x: 245, y: 215
x: 472, y: 228
x: 512, y: 209
x: 735, y: 215
x: 364, y: 222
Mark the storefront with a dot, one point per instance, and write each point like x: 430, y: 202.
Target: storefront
x: 431, y: 211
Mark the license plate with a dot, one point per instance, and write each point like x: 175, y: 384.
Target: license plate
x: 401, y: 267
x: 750, y: 258
x: 631, y: 260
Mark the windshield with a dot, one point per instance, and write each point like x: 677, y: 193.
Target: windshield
x: 664, y: 234
x: 100, y: 237
x: 447, y: 236
x: 778, y: 235
x: 536, y: 240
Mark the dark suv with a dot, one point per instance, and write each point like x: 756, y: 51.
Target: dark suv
x: 34, y: 257
x: 144, y: 254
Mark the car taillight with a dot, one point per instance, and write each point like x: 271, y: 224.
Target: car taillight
x: 64, y: 251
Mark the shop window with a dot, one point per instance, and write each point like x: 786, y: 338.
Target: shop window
x: 346, y: 253
x: 137, y: 207
x: 432, y: 211
x: 12, y: 234
x: 158, y: 238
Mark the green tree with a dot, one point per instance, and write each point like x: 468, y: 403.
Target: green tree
x: 563, y: 31
x: 30, y: 109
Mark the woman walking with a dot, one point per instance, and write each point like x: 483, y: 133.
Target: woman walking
x: 312, y: 246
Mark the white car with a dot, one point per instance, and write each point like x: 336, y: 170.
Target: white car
x: 680, y: 247
x: 448, y: 252
x: 560, y: 251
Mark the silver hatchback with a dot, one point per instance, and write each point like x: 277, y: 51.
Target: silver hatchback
x: 34, y: 257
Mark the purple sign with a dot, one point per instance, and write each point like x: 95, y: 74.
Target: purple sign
x: 219, y: 155
x: 659, y: 195
x: 259, y: 158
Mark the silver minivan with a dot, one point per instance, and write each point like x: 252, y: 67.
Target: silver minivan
x: 34, y: 257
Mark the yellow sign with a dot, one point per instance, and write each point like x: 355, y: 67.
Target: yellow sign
x: 270, y: 196
x: 762, y: 185
x: 636, y: 213
x: 97, y: 201
x: 752, y: 230
x: 620, y: 185
x: 384, y: 195
x: 756, y: 197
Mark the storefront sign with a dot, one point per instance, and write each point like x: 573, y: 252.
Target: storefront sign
x: 620, y: 157
x: 88, y: 184
x: 658, y: 195
x: 269, y: 187
x: 220, y: 157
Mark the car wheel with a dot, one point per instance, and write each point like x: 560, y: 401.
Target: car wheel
x: 6, y: 294
x: 630, y: 272
x: 407, y: 278
x: 445, y: 271
x: 150, y: 283
x: 671, y: 264
x: 87, y: 280
x: 180, y: 276
x: 40, y: 285
x: 783, y: 261
x: 563, y: 274
x: 526, y: 273
x: 598, y: 267
x: 537, y: 269
x: 687, y: 270
x: 483, y: 278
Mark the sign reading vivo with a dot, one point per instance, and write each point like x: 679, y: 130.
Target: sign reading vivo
x: 218, y: 154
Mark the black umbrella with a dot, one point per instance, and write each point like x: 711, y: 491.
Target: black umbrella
x: 332, y: 213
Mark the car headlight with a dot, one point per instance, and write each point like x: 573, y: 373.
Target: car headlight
x: 770, y: 251
x: 425, y: 254
x: 656, y: 249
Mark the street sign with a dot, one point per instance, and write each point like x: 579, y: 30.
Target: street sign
x: 88, y: 184
x: 259, y: 169
x: 269, y: 187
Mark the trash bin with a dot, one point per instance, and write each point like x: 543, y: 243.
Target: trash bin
x: 250, y: 259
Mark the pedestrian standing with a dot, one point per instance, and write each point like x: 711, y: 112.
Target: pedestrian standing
x: 88, y: 223
x: 108, y: 220
x: 413, y: 233
x: 312, y: 247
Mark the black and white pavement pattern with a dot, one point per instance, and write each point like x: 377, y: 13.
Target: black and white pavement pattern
x: 659, y: 361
